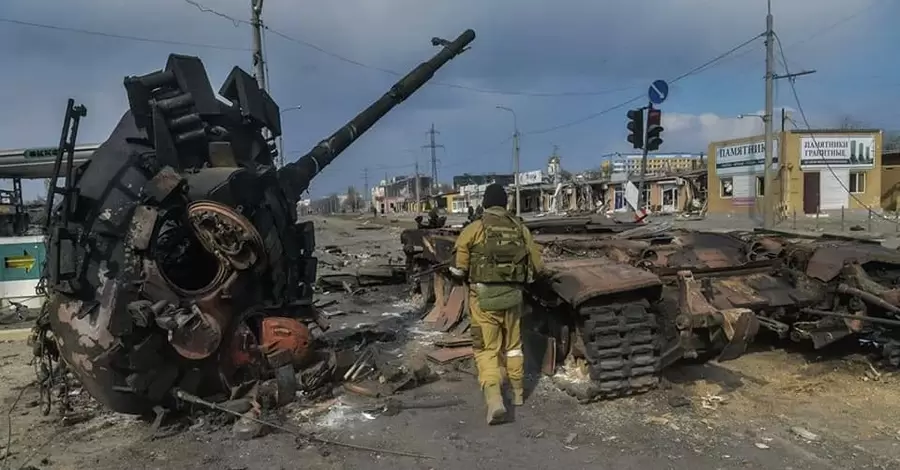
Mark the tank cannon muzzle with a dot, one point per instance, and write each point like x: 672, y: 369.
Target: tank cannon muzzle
x: 296, y: 176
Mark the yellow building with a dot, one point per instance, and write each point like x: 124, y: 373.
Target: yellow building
x: 823, y: 170
x: 890, y: 180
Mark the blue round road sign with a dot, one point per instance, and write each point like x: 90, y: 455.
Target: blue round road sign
x: 658, y: 91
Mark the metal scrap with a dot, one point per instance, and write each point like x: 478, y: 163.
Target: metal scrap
x: 448, y: 355
x: 187, y: 397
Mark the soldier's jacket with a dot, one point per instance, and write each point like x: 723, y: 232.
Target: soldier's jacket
x: 497, y: 289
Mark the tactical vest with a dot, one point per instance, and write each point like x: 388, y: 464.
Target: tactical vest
x: 502, y: 258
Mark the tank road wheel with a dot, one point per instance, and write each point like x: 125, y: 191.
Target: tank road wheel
x: 622, y: 343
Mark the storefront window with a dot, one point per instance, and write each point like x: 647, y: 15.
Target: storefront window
x: 726, y: 187
x: 857, y: 183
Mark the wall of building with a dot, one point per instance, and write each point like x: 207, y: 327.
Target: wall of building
x: 835, y: 161
x: 890, y: 188
x: 890, y: 181
x: 734, y: 168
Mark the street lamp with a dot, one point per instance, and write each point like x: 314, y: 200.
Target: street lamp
x: 785, y: 116
x: 515, y: 157
x: 281, y: 137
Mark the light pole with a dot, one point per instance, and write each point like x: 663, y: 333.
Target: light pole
x: 785, y: 117
x: 281, y: 137
x: 515, y: 157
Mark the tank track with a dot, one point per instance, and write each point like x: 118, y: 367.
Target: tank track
x: 621, y: 343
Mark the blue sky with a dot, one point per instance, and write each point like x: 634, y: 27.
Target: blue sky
x: 587, y: 55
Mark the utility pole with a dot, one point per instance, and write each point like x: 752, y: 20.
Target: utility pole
x: 431, y: 145
x: 417, y: 186
x: 259, y: 68
x: 515, y: 158
x: 259, y: 63
x: 770, y: 205
x: 516, y: 171
x: 769, y: 208
x: 367, y: 195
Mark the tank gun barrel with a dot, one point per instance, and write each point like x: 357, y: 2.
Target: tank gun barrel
x: 296, y: 176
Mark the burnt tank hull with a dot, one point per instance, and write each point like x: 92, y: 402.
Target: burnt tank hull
x: 603, y: 304
x: 179, y: 236
x: 631, y: 306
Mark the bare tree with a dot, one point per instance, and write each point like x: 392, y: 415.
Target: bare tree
x: 892, y: 141
x: 848, y: 123
x: 333, y: 203
x: 353, y: 201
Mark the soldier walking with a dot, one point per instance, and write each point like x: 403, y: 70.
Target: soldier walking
x: 497, y: 256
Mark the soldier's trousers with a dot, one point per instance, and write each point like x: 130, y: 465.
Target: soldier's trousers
x: 497, y: 341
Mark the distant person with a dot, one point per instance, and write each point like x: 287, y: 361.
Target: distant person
x: 471, y: 211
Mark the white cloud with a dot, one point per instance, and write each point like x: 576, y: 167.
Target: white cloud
x: 708, y: 127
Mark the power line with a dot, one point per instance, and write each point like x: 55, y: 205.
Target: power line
x: 693, y: 71
x: 821, y: 30
x: 315, y: 47
x: 236, y: 21
x: 121, y: 36
x: 832, y: 27
x: 434, y: 160
x: 813, y: 137
x: 481, y: 155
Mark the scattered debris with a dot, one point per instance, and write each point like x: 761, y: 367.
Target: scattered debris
x: 308, y: 437
x: 453, y: 342
x: 678, y: 400
x: 447, y: 355
x: 711, y: 402
x: 804, y: 434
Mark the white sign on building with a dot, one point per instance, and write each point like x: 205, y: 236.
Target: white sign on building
x: 856, y: 152
x: 744, y: 158
x: 531, y: 177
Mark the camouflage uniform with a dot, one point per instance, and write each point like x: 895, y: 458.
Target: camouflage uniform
x: 498, y: 256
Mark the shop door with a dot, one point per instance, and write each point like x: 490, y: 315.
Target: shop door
x: 669, y: 198
x: 811, y: 192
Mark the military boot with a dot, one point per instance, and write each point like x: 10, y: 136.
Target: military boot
x: 493, y: 397
x: 518, y: 392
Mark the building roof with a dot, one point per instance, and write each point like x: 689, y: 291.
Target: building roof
x: 664, y: 155
x: 834, y: 131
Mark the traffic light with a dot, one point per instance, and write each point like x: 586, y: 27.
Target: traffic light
x: 654, y: 129
x: 636, y: 128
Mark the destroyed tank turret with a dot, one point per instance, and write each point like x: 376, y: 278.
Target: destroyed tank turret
x: 179, y: 236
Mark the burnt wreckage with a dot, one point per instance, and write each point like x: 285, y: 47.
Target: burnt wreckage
x: 176, y: 261
x: 628, y: 300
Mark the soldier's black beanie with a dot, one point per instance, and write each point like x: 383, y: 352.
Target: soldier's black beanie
x: 494, y: 196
